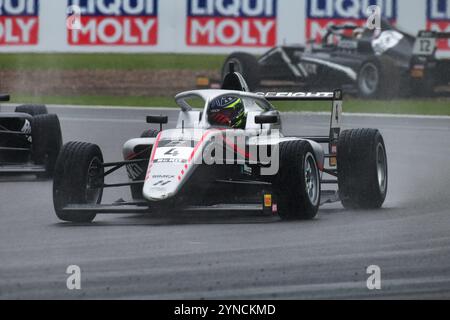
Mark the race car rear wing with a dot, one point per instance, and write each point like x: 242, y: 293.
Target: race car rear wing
x: 336, y: 114
x: 336, y: 107
x: 301, y: 96
x: 426, y: 42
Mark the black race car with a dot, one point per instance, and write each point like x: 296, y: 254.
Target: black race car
x: 371, y: 63
x: 429, y: 70
x: 30, y: 140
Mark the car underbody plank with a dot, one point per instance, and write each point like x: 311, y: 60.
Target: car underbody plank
x: 25, y: 169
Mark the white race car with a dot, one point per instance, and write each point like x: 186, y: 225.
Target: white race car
x: 230, y: 155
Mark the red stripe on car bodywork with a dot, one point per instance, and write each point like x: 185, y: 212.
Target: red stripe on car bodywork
x: 196, y: 148
x: 235, y: 148
x: 193, y: 153
x: 134, y: 155
x: 152, y: 156
x: 198, y: 145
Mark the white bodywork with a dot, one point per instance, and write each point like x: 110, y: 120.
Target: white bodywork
x: 177, y: 152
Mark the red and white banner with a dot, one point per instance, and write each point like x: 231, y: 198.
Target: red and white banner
x: 197, y: 26
x: 246, y: 23
x: 19, y: 22
x: 323, y: 13
x: 115, y: 22
x: 438, y: 19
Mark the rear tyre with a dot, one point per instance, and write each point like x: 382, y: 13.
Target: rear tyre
x: 245, y: 64
x: 297, y: 183
x: 380, y: 79
x: 46, y: 141
x: 78, y: 180
x: 368, y: 81
x: 362, y: 168
x: 32, y: 109
x: 136, y: 189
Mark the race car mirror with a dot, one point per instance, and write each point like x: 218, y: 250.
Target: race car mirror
x: 266, y: 118
x: 4, y: 97
x: 157, y: 119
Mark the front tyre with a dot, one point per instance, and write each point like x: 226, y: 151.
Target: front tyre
x: 297, y: 183
x: 78, y: 180
x: 362, y: 168
x: 46, y: 141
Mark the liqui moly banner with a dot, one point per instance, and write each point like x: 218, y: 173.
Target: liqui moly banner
x: 322, y: 13
x: 115, y: 22
x: 247, y: 23
x: 196, y: 26
x: 438, y: 19
x: 19, y: 22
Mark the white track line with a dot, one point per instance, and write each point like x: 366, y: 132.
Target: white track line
x: 99, y: 107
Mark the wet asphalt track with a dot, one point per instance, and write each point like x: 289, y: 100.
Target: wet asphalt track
x: 237, y: 256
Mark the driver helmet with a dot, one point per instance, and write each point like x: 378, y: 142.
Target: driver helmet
x: 227, y: 111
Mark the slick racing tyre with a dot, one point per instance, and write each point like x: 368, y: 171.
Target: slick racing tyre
x: 297, y: 183
x: 46, y: 141
x: 137, y: 171
x: 78, y: 179
x: 369, y: 80
x: 32, y: 109
x: 380, y: 79
x: 245, y: 64
x: 362, y: 168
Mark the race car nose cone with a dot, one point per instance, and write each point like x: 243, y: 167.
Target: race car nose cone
x: 162, y: 183
x: 153, y: 193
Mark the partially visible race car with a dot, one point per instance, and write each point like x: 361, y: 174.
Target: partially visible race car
x: 231, y: 155
x: 429, y: 69
x: 370, y: 63
x: 30, y: 140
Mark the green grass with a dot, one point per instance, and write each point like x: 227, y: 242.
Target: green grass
x: 42, y: 61
x: 425, y: 107
x: 52, y: 61
x: 97, y: 100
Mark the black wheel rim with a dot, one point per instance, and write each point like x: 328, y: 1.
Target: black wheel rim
x: 311, y: 178
x: 94, y: 181
x: 381, y: 168
x: 368, y: 79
